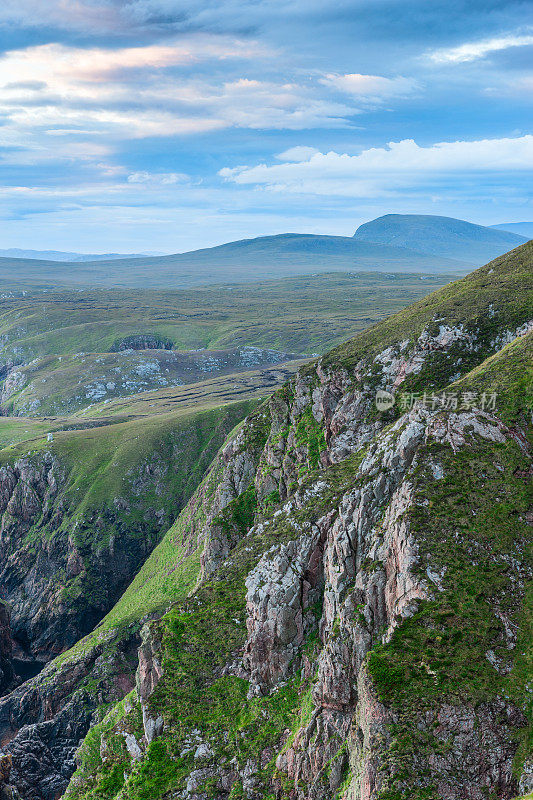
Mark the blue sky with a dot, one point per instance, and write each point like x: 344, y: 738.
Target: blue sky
x: 158, y: 125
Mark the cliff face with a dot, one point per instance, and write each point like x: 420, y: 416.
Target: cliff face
x: 44, y: 719
x: 58, y: 585
x: 348, y: 583
x: 7, y: 672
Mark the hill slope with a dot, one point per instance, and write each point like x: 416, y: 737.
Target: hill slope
x: 445, y: 236
x: 280, y: 256
x: 83, y: 507
x: 521, y: 228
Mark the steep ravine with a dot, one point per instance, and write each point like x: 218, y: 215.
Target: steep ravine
x: 345, y: 590
x: 80, y: 514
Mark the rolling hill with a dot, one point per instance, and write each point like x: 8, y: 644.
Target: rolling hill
x: 58, y: 385
x: 392, y: 243
x: 63, y: 351
x: 289, y: 254
x: 521, y: 228
x: 300, y: 315
x: 443, y: 236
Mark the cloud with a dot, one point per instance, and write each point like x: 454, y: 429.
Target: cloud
x: 127, y: 16
x: 97, y: 73
x: 520, y: 87
x: 136, y: 92
x: 242, y: 77
x: 86, y: 15
x: 390, y: 18
x: 24, y: 151
x: 371, y: 87
x: 298, y: 153
x: 379, y: 171
x: 161, y: 178
x: 471, y: 51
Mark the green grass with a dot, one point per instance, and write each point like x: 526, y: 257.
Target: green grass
x: 210, y: 392
x: 300, y: 315
x: 200, y: 634
x: 439, y: 655
x: 470, y: 524
x: 496, y: 296
x: 171, y: 572
x: 508, y: 374
x: 13, y: 431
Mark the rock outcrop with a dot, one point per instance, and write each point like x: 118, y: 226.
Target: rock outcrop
x: 43, y: 721
x: 57, y: 386
x: 7, y: 791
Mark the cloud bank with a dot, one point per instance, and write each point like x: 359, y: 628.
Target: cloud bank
x: 380, y: 170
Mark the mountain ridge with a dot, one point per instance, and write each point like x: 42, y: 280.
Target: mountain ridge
x: 521, y: 228
x: 60, y: 255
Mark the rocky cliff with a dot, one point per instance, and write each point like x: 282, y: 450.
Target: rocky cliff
x: 345, y: 591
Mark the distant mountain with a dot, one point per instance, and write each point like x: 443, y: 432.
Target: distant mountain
x: 443, y: 236
x: 60, y: 255
x: 521, y: 228
x: 285, y: 255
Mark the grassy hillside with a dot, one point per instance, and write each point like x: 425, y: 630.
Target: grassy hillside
x: 446, y: 236
x: 64, y: 351
x: 13, y: 431
x: 214, y: 391
x: 60, y: 385
x: 497, y: 295
x: 335, y: 594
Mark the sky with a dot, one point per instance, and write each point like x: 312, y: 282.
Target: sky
x: 168, y: 125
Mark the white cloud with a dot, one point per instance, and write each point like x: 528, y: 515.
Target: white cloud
x: 471, y: 51
x: 519, y: 85
x: 256, y: 104
x: 80, y: 15
x: 162, y: 178
x: 371, y: 87
x: 24, y: 151
x: 121, y: 17
x: 379, y: 171
x: 298, y: 153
